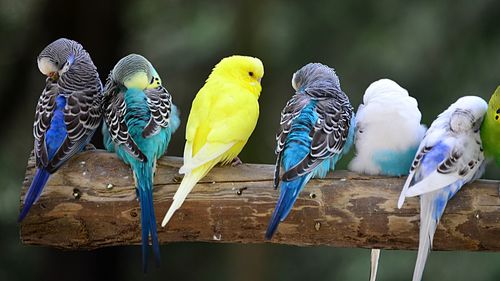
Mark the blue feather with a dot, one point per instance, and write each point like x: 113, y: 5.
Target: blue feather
x: 144, y: 176
x: 56, y: 134
x: 395, y: 163
x: 54, y: 137
x: 39, y: 180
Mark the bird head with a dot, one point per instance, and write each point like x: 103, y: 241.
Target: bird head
x: 155, y: 81
x: 248, y: 71
x: 58, y: 57
x: 384, y: 87
x: 467, y: 114
x: 133, y: 71
x: 317, y: 75
x: 494, y: 107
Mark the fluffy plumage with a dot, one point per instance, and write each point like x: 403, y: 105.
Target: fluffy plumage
x: 316, y: 129
x: 490, y: 130
x: 68, y: 111
x: 449, y: 156
x: 222, y: 118
x: 139, y: 122
x: 388, y: 130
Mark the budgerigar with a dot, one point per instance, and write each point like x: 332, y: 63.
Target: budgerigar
x: 388, y: 133
x: 316, y: 129
x: 490, y: 130
x: 388, y: 130
x: 139, y: 122
x: 449, y: 156
x: 223, y: 115
x: 68, y: 111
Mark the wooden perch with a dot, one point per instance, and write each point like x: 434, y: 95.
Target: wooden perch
x: 91, y: 203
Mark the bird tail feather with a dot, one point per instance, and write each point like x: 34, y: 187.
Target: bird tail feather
x: 428, y: 226
x: 288, y: 195
x: 187, y: 184
x: 375, y: 255
x: 35, y: 190
x: 144, y: 177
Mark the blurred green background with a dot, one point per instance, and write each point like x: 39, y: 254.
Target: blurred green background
x: 439, y: 51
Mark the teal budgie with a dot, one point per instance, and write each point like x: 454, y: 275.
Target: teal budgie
x: 139, y: 121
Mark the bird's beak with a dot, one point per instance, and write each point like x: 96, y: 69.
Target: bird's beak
x: 260, y: 79
x: 54, y: 75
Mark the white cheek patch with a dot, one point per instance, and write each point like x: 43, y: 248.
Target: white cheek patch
x: 46, y: 66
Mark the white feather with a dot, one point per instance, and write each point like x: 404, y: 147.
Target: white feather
x: 375, y: 255
x: 426, y: 235
x: 388, y: 119
x: 432, y: 182
x: 405, y: 188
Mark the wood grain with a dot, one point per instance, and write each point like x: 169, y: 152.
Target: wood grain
x: 91, y: 203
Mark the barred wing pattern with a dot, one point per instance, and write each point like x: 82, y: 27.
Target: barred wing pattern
x: 159, y: 103
x: 82, y: 116
x: 291, y: 111
x: 43, y: 116
x: 328, y: 136
x: 114, y: 116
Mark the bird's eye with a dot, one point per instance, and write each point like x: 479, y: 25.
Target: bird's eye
x: 152, y: 80
x: 250, y: 73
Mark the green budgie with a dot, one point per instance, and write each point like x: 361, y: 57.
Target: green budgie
x: 490, y: 129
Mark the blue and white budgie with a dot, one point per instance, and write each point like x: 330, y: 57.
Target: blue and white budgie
x: 139, y: 122
x: 68, y: 111
x: 316, y: 129
x: 388, y: 133
x: 449, y: 156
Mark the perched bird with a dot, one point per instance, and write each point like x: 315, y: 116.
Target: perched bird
x: 316, y: 129
x: 139, y: 122
x: 449, y: 156
x: 388, y: 133
x: 68, y: 111
x: 388, y: 130
x: 222, y: 118
x: 490, y: 130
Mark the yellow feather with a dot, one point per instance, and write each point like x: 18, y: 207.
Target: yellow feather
x: 223, y: 115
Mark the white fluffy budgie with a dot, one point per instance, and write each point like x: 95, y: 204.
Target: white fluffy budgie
x: 449, y: 156
x: 388, y: 130
x: 388, y: 133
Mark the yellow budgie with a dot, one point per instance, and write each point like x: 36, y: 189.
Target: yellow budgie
x: 222, y: 118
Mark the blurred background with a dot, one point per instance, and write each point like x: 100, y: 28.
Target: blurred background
x: 438, y: 51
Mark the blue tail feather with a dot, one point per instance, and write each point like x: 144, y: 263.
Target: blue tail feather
x: 39, y: 180
x: 144, y: 175
x: 288, y: 195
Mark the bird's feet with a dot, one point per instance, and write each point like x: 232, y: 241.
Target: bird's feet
x: 89, y: 147
x: 236, y: 162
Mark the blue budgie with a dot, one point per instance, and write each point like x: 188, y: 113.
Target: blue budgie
x: 388, y: 133
x: 68, y: 111
x: 139, y: 122
x: 317, y: 128
x: 449, y: 156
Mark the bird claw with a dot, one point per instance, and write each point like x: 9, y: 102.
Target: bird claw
x: 236, y: 162
x: 89, y: 147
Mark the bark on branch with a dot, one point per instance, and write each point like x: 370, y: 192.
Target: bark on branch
x: 91, y: 203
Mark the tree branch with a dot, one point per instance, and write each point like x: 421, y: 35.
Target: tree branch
x: 91, y: 203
